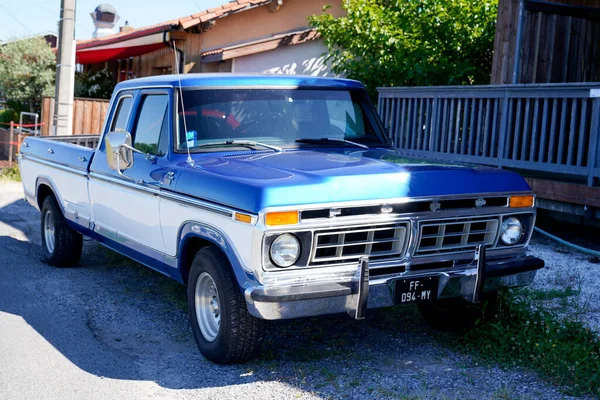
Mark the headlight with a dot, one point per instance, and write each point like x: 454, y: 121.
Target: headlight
x: 511, y: 231
x: 285, y: 250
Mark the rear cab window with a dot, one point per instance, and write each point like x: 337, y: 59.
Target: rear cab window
x: 150, y: 133
x: 121, y: 116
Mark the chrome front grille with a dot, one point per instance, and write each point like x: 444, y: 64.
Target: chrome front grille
x: 455, y: 235
x: 349, y: 244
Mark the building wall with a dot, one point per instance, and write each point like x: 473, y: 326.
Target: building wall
x: 260, y: 22
x: 302, y: 59
x: 237, y: 28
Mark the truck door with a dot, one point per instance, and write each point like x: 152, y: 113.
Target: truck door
x: 126, y: 209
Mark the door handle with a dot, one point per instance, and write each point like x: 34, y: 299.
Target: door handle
x: 168, y: 178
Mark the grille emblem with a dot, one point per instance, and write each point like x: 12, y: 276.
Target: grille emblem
x: 435, y: 206
x: 386, y: 209
x: 480, y: 202
x: 334, y: 212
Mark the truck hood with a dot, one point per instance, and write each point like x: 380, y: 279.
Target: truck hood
x: 254, y: 181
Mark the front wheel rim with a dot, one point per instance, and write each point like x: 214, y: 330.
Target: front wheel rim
x: 207, y: 304
x: 49, y: 231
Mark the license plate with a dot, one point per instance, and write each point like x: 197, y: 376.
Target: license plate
x: 416, y: 290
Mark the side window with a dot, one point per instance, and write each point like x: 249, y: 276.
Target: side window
x: 151, y: 131
x: 119, y: 122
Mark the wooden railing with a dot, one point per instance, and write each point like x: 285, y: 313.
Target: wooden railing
x: 551, y: 128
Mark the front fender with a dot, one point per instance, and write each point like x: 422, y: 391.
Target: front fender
x: 214, y: 235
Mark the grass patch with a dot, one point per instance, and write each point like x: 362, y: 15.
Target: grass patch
x: 11, y: 174
x: 551, y: 294
x: 560, y: 348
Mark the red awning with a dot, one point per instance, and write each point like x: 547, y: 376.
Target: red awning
x: 120, y: 47
x: 119, y: 53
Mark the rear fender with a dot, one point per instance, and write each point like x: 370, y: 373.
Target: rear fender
x: 47, y: 181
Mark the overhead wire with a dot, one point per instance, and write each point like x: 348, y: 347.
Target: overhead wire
x: 15, y: 18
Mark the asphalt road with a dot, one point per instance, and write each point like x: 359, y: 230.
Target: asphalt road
x: 112, y: 329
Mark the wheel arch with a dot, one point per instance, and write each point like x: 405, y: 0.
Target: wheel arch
x: 194, y: 236
x: 44, y: 187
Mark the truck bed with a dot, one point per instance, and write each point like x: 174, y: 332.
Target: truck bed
x: 57, y: 150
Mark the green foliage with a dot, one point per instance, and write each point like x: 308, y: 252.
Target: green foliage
x: 12, y: 174
x: 560, y: 348
x: 27, y: 70
x: 7, y: 115
x: 411, y: 42
x: 97, y: 85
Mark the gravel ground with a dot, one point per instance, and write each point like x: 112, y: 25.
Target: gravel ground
x: 567, y: 269
x: 113, y: 329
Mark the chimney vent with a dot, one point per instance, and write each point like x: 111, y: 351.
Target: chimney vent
x: 126, y: 28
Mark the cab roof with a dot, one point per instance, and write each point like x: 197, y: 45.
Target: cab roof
x: 238, y: 81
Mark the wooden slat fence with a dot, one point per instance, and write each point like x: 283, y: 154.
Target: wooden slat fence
x: 546, y: 41
x: 551, y: 128
x: 88, y: 115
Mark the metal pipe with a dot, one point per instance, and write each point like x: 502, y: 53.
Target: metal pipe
x: 179, y: 51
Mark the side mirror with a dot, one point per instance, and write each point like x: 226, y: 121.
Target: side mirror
x: 119, y: 152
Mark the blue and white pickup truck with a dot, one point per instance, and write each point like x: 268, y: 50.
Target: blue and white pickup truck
x: 277, y: 197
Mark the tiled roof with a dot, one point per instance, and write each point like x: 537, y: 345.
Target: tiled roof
x: 184, y: 22
x: 260, y: 45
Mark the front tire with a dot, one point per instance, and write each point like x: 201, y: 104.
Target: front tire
x: 455, y: 315
x: 61, y: 244
x: 224, y: 330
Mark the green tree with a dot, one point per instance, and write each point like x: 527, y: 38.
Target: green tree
x: 411, y: 42
x: 97, y: 85
x: 27, y: 70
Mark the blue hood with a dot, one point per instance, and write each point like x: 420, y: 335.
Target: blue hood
x: 254, y: 181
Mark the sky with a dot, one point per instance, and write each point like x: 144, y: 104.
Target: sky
x: 28, y: 17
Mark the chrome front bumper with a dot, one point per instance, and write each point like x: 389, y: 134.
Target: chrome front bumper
x: 354, y: 297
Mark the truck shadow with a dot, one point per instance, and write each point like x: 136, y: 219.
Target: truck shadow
x: 117, y: 319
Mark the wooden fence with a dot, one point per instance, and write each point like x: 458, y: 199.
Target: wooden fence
x: 10, y: 144
x: 546, y: 42
x: 88, y: 115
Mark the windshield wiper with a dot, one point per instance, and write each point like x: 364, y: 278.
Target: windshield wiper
x: 331, y: 140
x: 242, y: 143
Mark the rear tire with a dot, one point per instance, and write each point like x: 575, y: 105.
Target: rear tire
x: 224, y: 330
x: 61, y: 244
x: 455, y: 315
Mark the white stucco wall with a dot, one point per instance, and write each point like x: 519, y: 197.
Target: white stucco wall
x: 301, y: 59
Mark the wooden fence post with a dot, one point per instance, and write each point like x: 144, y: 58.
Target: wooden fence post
x: 594, y: 146
x: 10, y: 144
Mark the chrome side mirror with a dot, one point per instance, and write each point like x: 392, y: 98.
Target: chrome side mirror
x: 119, y: 153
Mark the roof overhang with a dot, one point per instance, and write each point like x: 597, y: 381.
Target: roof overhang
x: 259, y: 46
x: 121, y: 46
x: 145, y: 40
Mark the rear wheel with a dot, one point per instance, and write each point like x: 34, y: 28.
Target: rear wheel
x: 223, y: 329
x: 455, y: 315
x: 61, y: 244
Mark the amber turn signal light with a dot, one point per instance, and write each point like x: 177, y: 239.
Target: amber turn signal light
x: 243, y: 218
x: 282, y: 218
x: 521, y: 201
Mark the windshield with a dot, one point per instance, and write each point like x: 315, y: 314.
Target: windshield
x: 274, y: 116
